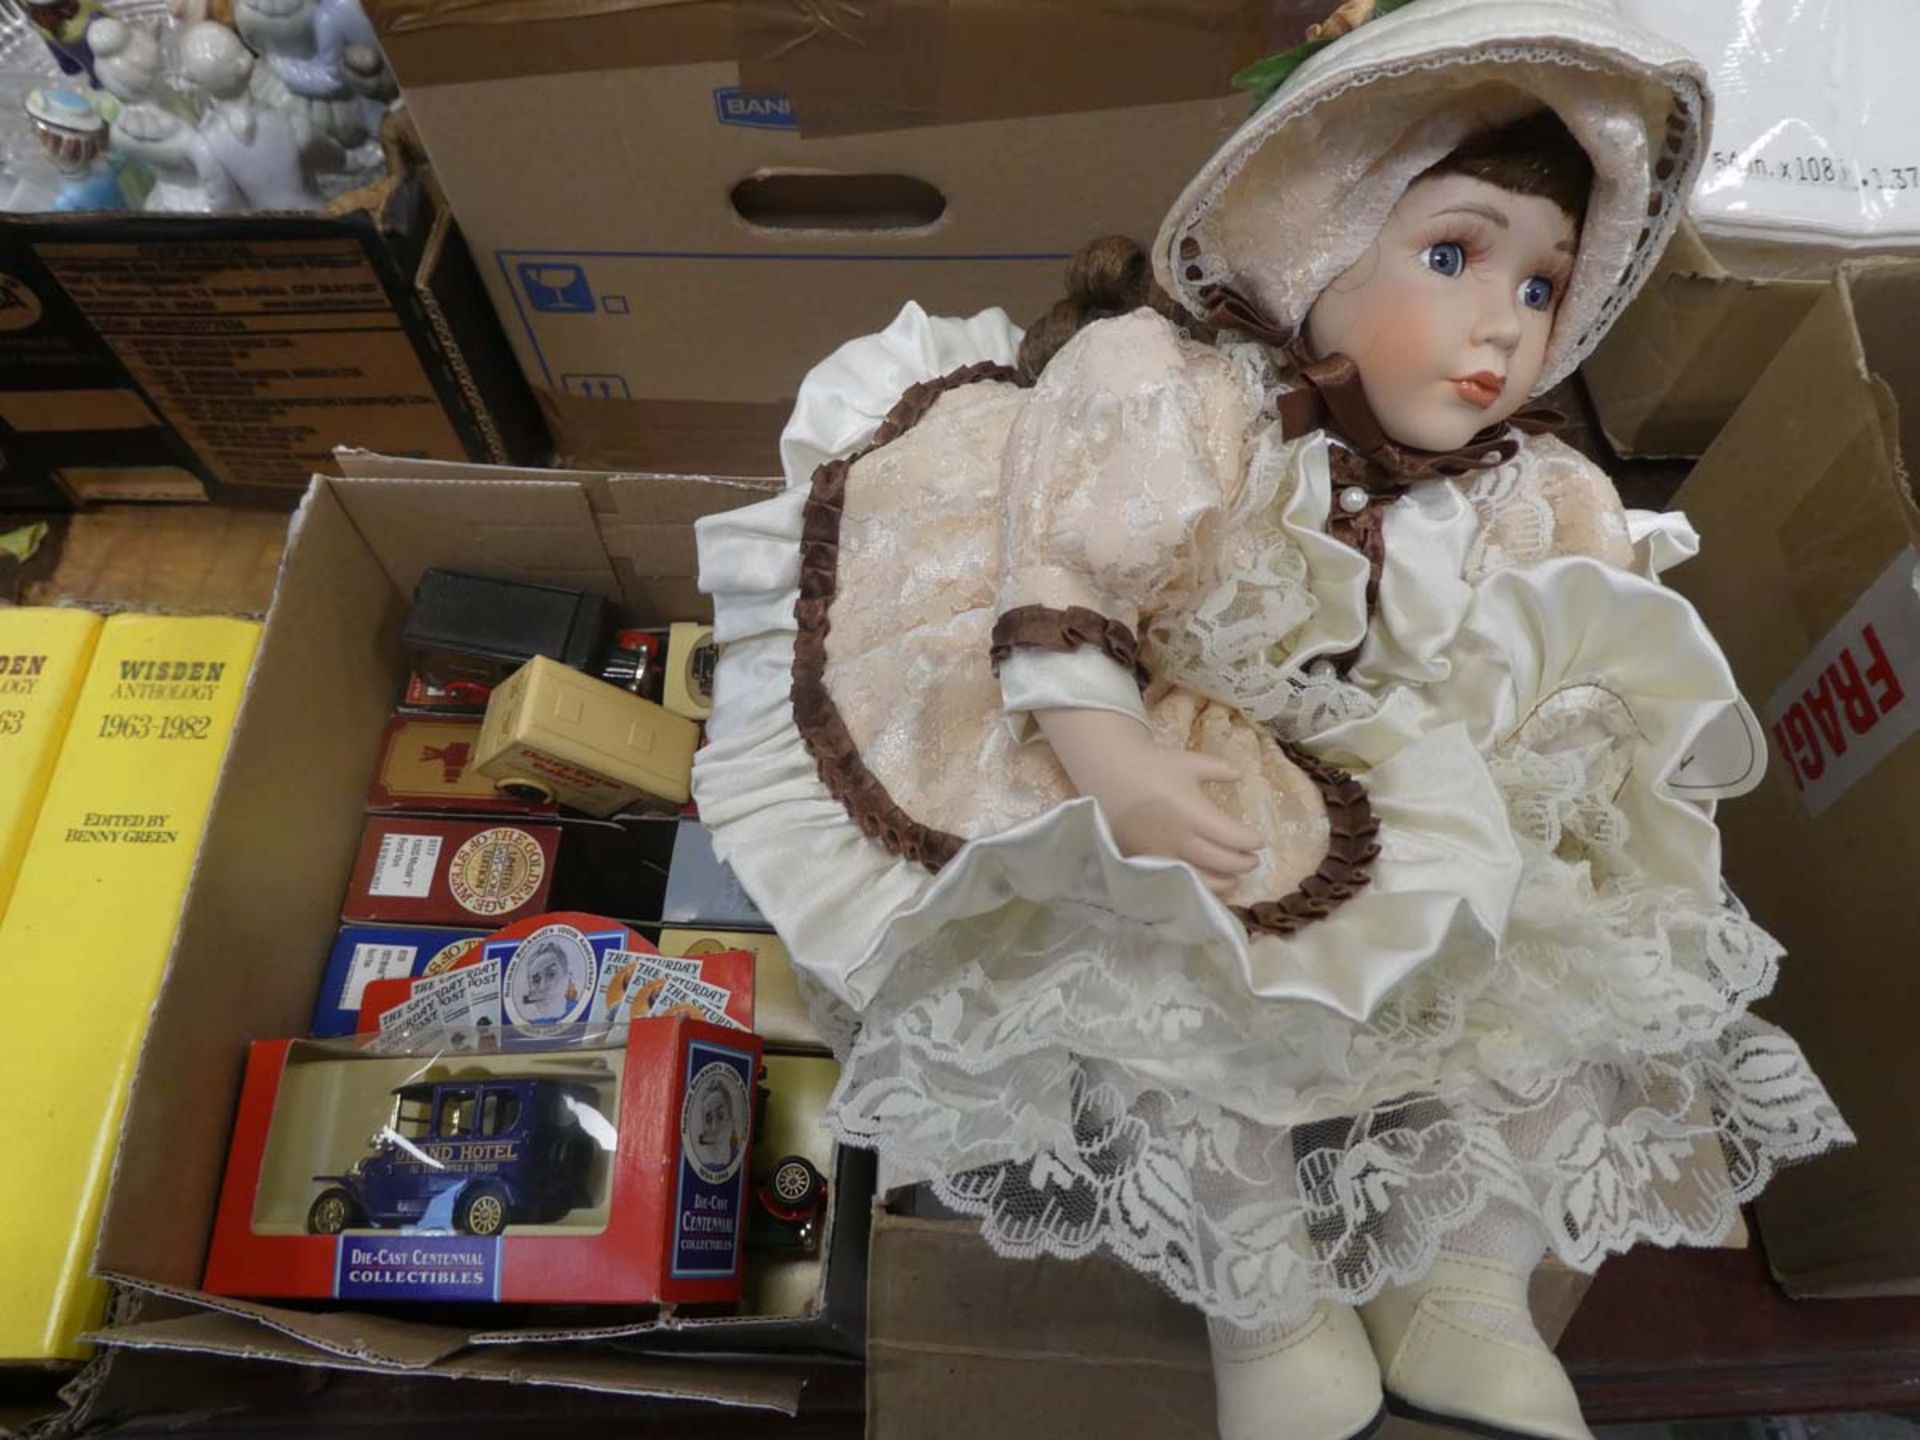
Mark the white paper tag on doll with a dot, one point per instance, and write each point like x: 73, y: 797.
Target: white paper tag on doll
x: 1727, y: 759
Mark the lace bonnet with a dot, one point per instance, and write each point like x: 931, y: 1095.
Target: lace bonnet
x: 1300, y: 191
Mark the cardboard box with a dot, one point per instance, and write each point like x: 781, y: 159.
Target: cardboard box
x: 427, y: 766
x: 451, y: 872
x: 644, y: 1200
x: 330, y: 664
x: 691, y: 656
x: 962, y: 1343
x: 364, y: 954
x: 780, y: 1013
x: 180, y: 357
x: 680, y: 208
x: 1808, y: 578
x: 556, y: 733
x: 702, y: 889
x: 1679, y: 361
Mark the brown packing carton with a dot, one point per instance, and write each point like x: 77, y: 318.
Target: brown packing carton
x: 962, y: 1343
x: 1807, y: 576
x: 1683, y: 356
x: 278, y: 850
x: 178, y: 357
x: 708, y: 198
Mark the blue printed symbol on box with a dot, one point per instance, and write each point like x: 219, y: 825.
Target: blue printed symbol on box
x: 759, y: 112
x: 553, y: 286
x: 398, y: 1266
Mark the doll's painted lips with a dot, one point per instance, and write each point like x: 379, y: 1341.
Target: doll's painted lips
x: 1481, y: 389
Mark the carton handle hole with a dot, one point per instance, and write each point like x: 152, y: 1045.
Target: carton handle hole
x: 817, y: 201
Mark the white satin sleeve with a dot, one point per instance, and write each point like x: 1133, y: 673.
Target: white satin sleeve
x: 1661, y: 539
x: 1083, y: 679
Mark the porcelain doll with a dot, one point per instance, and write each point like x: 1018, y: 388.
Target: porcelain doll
x: 264, y: 152
x: 1231, y: 779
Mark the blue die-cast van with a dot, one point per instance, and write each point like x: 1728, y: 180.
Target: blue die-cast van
x: 474, y: 1155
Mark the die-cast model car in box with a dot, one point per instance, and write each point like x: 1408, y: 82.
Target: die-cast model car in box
x: 589, y: 1172
x: 476, y: 1153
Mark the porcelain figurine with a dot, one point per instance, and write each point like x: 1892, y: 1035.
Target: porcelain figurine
x: 62, y: 25
x: 153, y: 128
x: 73, y: 137
x: 321, y: 59
x: 263, y: 150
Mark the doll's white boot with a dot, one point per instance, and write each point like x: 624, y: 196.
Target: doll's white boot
x: 1458, y: 1349
x: 1316, y: 1382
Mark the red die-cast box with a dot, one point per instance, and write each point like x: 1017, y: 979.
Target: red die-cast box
x: 565, y: 1172
x: 426, y: 764
x: 451, y: 872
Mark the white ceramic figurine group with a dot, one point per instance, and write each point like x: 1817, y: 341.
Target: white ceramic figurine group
x: 273, y: 113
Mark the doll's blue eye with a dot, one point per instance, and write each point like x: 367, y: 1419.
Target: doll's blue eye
x: 1446, y: 258
x: 1537, y: 293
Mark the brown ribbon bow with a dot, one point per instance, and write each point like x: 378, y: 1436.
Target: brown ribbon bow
x: 1333, y: 399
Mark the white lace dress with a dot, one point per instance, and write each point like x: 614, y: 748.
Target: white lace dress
x: 1540, y: 992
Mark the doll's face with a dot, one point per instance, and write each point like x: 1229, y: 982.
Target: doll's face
x: 1447, y: 315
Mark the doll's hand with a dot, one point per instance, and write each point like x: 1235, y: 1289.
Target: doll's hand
x: 1152, y: 796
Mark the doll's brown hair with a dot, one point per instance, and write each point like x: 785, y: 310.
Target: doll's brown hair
x: 1534, y: 155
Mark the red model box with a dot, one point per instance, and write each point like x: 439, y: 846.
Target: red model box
x: 610, y: 1175
x: 426, y: 763
x: 451, y: 872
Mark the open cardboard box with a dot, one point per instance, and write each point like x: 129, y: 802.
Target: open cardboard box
x: 1810, y: 578
x: 962, y: 1343
x: 264, y: 905
x: 679, y: 208
x: 1678, y: 362
x: 196, y: 357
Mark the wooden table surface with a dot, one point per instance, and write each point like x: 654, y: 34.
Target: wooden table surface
x: 1693, y: 1334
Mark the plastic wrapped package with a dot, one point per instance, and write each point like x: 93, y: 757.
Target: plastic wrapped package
x: 1816, y: 134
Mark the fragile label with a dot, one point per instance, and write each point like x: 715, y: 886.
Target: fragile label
x: 1853, y: 701
x: 375, y: 962
x: 405, y: 866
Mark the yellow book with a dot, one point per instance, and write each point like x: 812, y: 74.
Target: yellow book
x: 43, y: 658
x: 84, y: 941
